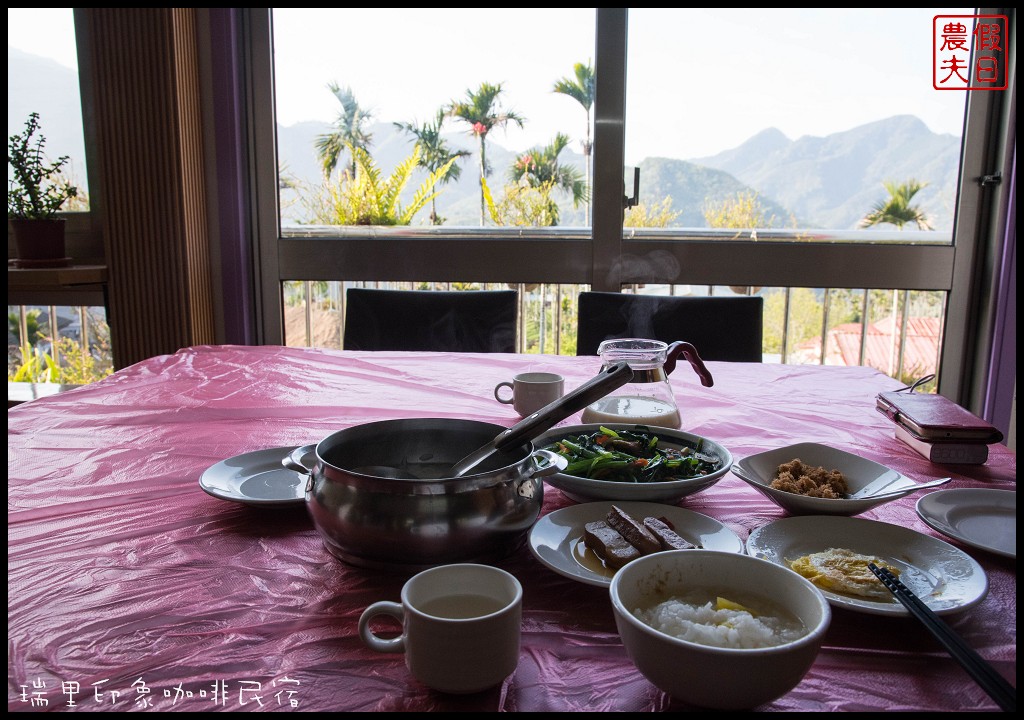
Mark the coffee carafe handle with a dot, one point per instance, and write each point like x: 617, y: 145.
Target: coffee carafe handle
x: 688, y: 351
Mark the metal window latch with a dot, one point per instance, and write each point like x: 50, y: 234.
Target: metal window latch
x: 627, y: 201
x: 994, y: 179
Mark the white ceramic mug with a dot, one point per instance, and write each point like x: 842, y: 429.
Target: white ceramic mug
x: 531, y: 391
x: 461, y: 626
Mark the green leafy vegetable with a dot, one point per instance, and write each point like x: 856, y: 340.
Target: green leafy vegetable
x: 631, y: 456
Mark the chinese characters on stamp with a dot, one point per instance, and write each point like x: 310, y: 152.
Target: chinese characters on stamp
x: 969, y: 52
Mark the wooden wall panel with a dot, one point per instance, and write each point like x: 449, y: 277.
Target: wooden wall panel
x: 150, y: 153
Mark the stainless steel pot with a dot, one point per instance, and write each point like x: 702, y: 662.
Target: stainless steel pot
x: 423, y: 519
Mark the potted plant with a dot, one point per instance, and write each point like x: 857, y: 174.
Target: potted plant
x: 35, y: 193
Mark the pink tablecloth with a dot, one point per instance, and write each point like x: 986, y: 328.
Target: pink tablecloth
x: 129, y: 587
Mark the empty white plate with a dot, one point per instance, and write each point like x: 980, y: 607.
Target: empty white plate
x: 980, y: 517
x: 256, y: 478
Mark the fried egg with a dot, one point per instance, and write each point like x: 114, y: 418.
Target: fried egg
x: 844, y: 571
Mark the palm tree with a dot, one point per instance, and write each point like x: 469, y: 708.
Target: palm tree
x: 581, y: 89
x: 434, y: 154
x: 481, y: 110
x: 538, y: 167
x: 348, y: 130
x: 369, y: 197
x: 897, y: 210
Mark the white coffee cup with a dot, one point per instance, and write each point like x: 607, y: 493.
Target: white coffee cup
x: 531, y: 391
x: 461, y: 626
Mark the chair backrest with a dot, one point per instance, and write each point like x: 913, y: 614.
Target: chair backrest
x: 721, y: 328
x: 456, y: 321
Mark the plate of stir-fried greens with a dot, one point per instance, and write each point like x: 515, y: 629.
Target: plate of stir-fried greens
x: 633, y: 462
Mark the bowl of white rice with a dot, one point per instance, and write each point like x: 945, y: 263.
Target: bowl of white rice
x: 718, y: 630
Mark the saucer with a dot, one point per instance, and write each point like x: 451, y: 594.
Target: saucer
x: 256, y: 478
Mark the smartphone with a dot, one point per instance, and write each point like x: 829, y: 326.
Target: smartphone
x: 936, y: 418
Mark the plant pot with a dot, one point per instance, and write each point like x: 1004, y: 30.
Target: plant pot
x: 40, y: 243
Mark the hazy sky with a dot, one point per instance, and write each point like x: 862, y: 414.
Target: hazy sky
x: 698, y: 83
x: 49, y: 32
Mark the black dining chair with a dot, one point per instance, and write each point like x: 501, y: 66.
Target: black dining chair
x: 450, y: 321
x: 721, y: 328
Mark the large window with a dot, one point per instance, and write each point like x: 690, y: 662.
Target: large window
x: 49, y: 339
x: 470, y: 86
x: 636, y: 93
x: 45, y: 75
x: 42, y: 77
x: 792, y: 119
x: 796, y: 125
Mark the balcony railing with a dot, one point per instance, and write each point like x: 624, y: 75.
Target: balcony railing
x: 57, y: 344
x: 899, y: 332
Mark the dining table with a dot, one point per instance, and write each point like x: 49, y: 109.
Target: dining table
x: 131, y: 588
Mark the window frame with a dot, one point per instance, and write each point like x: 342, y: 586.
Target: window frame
x: 83, y: 229
x: 561, y: 255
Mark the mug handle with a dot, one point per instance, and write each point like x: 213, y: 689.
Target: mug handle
x: 498, y: 387
x: 385, y: 645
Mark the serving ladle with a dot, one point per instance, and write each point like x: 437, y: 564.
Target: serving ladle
x: 609, y: 378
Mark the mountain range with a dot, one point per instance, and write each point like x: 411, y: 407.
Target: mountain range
x: 37, y: 84
x: 828, y: 182
x: 833, y: 181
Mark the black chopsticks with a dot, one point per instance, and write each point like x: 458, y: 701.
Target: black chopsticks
x: 983, y: 673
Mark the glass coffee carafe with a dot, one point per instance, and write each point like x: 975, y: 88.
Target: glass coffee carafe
x: 648, y: 398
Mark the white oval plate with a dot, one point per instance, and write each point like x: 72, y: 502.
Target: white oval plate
x: 256, y: 478
x: 556, y: 539
x: 585, y: 490
x: 981, y: 517
x: 946, y: 579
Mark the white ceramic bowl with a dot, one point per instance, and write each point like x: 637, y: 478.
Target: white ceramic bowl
x: 759, y: 470
x: 583, y: 489
x: 715, y: 677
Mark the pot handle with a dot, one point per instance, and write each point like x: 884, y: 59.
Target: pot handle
x: 688, y: 351
x: 548, y: 463
x: 294, y: 459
